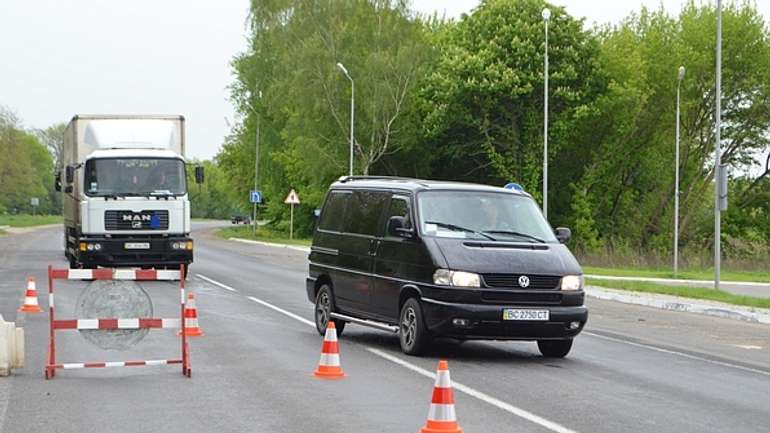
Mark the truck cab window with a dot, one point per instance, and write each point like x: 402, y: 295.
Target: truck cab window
x: 135, y: 177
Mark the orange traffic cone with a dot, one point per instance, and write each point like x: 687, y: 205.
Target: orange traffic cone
x: 191, y: 328
x: 329, y: 365
x: 442, y: 417
x: 30, y: 299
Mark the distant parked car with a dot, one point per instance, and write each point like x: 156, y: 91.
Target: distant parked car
x: 238, y: 219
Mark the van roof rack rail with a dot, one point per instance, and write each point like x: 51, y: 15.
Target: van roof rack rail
x: 344, y: 179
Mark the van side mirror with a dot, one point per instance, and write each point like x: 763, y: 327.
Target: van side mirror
x: 57, y: 181
x: 563, y: 234
x: 317, y: 213
x: 199, y: 175
x: 397, y: 227
x: 69, y: 173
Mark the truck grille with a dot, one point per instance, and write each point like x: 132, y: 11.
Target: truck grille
x: 536, y: 282
x: 130, y: 220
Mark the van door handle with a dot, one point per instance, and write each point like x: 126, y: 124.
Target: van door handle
x: 373, y: 246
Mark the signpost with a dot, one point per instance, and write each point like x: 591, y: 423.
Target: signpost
x: 255, y: 197
x: 291, y: 200
x: 35, y: 202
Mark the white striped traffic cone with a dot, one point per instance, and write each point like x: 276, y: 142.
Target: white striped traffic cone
x: 191, y: 328
x: 329, y: 365
x: 30, y: 298
x: 442, y: 417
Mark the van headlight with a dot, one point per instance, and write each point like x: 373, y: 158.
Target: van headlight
x: 445, y: 277
x: 572, y: 282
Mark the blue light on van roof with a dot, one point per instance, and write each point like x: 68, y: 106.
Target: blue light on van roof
x: 514, y: 186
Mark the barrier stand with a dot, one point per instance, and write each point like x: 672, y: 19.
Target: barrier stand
x: 115, y: 323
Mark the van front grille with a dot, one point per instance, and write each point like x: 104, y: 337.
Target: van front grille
x: 130, y: 220
x: 536, y: 282
x: 521, y: 298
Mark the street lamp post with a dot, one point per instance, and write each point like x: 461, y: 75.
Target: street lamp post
x: 546, y: 18
x: 256, y: 164
x: 352, y: 111
x: 676, y: 182
x: 717, y: 150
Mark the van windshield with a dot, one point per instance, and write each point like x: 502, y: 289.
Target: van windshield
x: 482, y: 215
x: 135, y: 176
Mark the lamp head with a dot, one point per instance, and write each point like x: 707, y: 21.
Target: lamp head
x: 681, y: 73
x: 546, y: 14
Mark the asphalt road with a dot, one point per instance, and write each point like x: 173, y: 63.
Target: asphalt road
x: 635, y: 369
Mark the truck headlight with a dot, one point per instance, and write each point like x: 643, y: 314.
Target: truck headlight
x: 97, y: 247
x: 572, y: 282
x: 445, y: 277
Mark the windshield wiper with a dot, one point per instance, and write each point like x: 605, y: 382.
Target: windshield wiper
x: 459, y: 228
x: 515, y: 233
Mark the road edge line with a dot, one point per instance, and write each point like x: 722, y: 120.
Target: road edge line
x: 678, y: 353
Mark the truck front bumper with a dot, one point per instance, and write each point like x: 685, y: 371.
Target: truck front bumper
x: 136, y: 251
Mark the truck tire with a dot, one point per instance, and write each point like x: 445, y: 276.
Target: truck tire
x: 554, y: 348
x: 412, y: 334
x: 324, y: 306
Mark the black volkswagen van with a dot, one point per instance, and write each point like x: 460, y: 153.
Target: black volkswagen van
x: 429, y: 259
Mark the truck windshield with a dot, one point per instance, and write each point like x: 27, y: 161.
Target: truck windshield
x: 482, y: 215
x: 135, y: 176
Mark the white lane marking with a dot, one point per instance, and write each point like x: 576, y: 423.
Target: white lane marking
x: 529, y: 416
x: 216, y: 283
x: 282, y: 311
x: 681, y: 354
x: 748, y: 346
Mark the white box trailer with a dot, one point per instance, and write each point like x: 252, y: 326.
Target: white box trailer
x: 124, y: 191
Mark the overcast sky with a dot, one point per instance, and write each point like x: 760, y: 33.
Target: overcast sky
x: 61, y: 57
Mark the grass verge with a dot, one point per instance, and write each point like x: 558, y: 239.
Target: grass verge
x: 29, y: 220
x: 685, y: 292
x: 689, y: 274
x: 264, y: 233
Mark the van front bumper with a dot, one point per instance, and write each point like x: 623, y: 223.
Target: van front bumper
x: 485, y: 322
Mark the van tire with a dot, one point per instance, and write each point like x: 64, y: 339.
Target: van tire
x: 324, y: 305
x: 412, y: 332
x: 554, y: 348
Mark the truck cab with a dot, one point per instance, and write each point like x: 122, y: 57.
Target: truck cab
x: 125, y: 192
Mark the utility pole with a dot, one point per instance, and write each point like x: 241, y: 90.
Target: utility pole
x: 676, y: 183
x: 717, y: 151
x: 546, y: 18
x: 256, y: 164
x: 352, y: 111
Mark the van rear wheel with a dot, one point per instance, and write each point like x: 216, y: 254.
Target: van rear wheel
x: 554, y: 348
x: 324, y: 306
x: 412, y: 332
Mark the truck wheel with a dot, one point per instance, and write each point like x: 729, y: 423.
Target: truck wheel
x: 412, y: 333
x: 554, y: 348
x: 324, y: 306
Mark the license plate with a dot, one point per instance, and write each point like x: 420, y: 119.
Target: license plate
x: 526, y: 314
x: 137, y: 245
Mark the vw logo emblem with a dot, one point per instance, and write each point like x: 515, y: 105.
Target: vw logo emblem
x: 524, y: 281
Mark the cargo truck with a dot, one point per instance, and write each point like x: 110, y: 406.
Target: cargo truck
x: 124, y: 188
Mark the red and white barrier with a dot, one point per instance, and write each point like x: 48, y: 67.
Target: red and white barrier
x: 115, y: 323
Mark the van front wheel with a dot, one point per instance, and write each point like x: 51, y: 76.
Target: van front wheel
x: 554, y: 348
x: 324, y: 306
x: 412, y: 333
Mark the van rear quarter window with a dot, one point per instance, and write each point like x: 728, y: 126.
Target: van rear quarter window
x: 333, y: 215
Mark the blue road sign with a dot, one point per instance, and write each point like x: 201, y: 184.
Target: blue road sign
x: 255, y: 197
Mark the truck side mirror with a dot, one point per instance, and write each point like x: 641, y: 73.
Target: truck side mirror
x: 563, y: 234
x: 57, y: 181
x: 70, y: 173
x: 199, y: 175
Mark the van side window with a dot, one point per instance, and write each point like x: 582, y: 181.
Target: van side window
x: 333, y: 214
x: 364, y: 212
x: 399, y: 206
